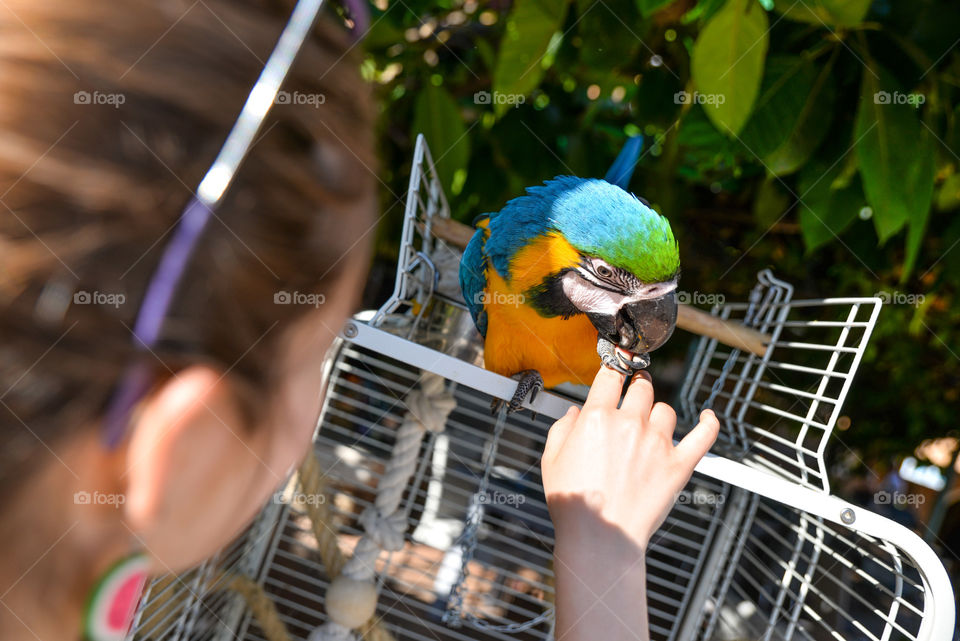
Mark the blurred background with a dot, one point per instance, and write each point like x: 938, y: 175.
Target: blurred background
x: 819, y: 139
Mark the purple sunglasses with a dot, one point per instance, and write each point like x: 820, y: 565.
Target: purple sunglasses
x: 138, y: 378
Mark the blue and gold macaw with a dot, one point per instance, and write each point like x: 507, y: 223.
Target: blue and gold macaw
x: 575, y: 268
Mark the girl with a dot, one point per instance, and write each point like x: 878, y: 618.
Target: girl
x: 110, y: 113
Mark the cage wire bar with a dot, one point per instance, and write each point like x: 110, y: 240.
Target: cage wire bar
x: 756, y: 547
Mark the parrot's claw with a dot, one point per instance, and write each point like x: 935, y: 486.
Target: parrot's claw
x: 610, y: 358
x: 530, y: 384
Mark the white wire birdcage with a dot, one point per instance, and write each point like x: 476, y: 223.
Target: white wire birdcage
x: 755, y: 548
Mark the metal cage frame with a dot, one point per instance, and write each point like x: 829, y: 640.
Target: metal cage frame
x: 765, y: 552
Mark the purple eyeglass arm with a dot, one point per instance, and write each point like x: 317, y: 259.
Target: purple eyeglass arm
x: 153, y: 311
x: 138, y: 377
x: 360, y: 13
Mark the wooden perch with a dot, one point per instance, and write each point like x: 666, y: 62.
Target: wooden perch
x: 691, y: 319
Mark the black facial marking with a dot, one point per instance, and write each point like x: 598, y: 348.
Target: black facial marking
x: 606, y: 326
x: 548, y: 298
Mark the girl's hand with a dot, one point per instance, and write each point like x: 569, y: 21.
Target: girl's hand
x: 606, y: 466
x: 610, y: 477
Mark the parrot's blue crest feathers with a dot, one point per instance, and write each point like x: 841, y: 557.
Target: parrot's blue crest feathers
x: 596, y: 217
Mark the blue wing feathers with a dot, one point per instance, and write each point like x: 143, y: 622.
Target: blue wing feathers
x: 622, y: 168
x: 473, y: 279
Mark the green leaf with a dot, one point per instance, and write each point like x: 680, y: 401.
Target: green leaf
x: 810, y: 125
x: 894, y: 154
x: 919, y: 217
x: 791, y: 116
x: 826, y: 212
x: 830, y: 13
x: 649, y: 7
x: 485, y: 50
x: 847, y: 174
x: 786, y: 82
x: 382, y: 34
x: 702, y: 11
x: 526, y: 41
x: 438, y: 118
x: 948, y: 197
x: 727, y: 63
x: 705, y: 154
x: 769, y: 203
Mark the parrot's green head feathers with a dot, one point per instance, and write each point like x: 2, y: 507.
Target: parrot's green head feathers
x: 601, y: 220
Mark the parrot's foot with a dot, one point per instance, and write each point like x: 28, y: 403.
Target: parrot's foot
x: 623, y: 362
x: 530, y: 384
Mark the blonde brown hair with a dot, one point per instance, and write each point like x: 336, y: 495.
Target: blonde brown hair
x: 110, y: 113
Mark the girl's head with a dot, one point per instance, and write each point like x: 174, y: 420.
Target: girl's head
x: 110, y: 113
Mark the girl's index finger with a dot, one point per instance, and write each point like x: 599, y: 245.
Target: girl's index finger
x: 605, y: 390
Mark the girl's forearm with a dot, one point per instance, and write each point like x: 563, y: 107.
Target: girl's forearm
x: 601, y: 591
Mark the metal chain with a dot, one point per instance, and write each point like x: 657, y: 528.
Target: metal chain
x: 467, y: 542
x: 509, y: 628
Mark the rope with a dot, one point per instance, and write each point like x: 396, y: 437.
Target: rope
x: 352, y: 596
x: 260, y: 605
x: 310, y: 478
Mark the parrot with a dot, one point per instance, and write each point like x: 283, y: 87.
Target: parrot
x: 575, y: 269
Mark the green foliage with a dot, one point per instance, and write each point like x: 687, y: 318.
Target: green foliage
x: 437, y: 117
x: 531, y: 26
x: 833, y: 157
x: 828, y: 13
x: 792, y: 115
x: 649, y: 7
x: 895, y: 155
x: 727, y: 62
x: 827, y: 205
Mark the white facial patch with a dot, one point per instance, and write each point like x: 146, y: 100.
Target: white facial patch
x: 587, y: 297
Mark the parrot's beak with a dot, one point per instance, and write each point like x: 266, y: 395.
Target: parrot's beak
x: 645, y: 325
x: 641, y: 326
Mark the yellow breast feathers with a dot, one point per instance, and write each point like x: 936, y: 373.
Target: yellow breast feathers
x: 519, y: 338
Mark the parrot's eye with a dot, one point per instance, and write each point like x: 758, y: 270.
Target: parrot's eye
x: 604, y: 272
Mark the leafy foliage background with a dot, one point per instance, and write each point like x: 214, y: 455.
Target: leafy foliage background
x: 802, y: 167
